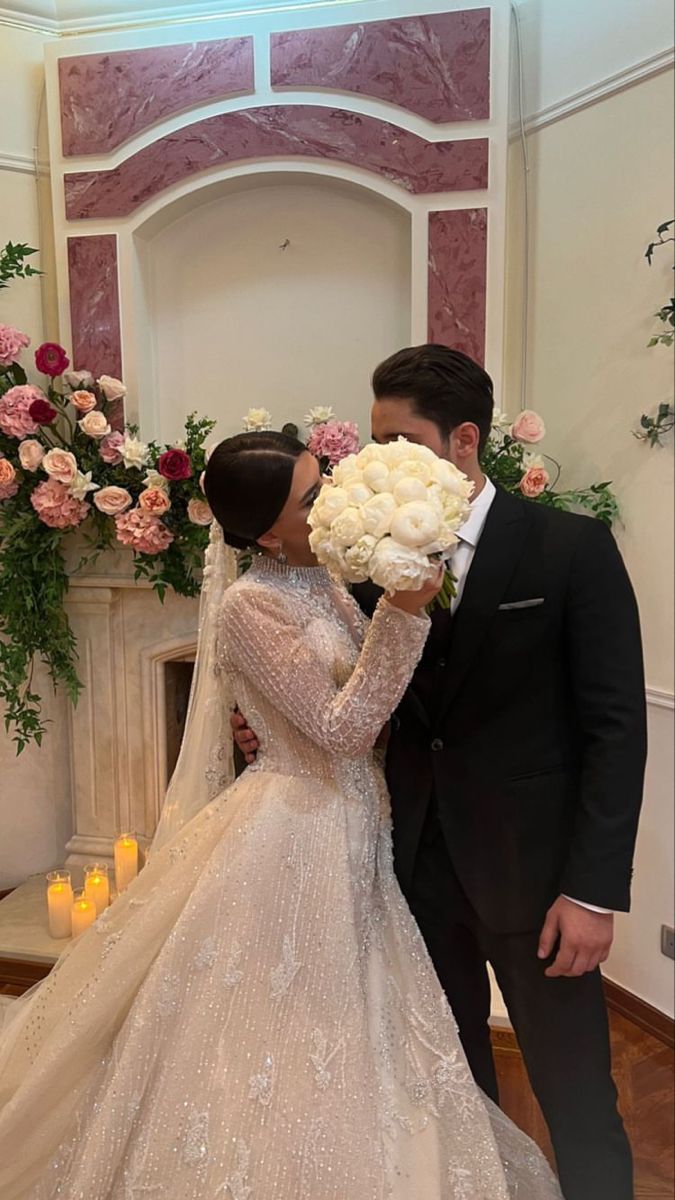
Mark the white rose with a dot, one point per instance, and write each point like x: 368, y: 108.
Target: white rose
x: 153, y: 479
x: 134, y: 453
x: 319, y: 415
x: 378, y: 513
x: 60, y: 465
x: 257, y: 420
x: 330, y: 502
x: 78, y: 379
x: 31, y: 454
x: 113, y: 500
x: 113, y: 389
x: 408, y: 489
x: 199, y: 512
x: 81, y: 485
x: 399, y: 568
x: 533, y: 460
x: 376, y: 476
x: 416, y: 524
x: 357, y: 559
x: 348, y: 527
x: 94, y: 425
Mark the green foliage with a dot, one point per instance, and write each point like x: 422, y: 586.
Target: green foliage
x: 12, y: 264
x: 654, y: 429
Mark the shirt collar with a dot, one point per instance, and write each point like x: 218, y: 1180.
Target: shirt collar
x: 478, y: 511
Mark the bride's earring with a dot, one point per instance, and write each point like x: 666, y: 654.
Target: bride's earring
x: 281, y: 557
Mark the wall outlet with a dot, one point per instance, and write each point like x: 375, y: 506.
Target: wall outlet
x: 668, y: 941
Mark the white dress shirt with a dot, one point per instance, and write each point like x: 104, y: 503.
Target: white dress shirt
x: 469, y: 537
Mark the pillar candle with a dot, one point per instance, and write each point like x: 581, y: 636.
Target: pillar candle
x: 59, y: 903
x: 83, y: 913
x: 97, y: 886
x: 126, y: 860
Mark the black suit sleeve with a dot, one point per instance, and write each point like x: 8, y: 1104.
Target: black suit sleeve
x: 605, y: 661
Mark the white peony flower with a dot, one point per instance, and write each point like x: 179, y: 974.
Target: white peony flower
x: 357, y: 492
x: 81, y: 485
x: 257, y: 420
x: 378, y: 514
x: 319, y: 416
x: 399, y: 568
x: 416, y: 524
x: 348, y: 527
x: 376, y: 476
x: 330, y: 502
x: 408, y: 489
x: 345, y: 469
x: 357, y: 559
x: 134, y: 453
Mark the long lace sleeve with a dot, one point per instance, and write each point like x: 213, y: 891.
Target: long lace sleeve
x: 262, y: 640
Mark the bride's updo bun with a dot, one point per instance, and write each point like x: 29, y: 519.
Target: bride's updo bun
x: 247, y: 482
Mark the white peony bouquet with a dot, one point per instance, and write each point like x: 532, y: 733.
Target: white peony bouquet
x: 391, y: 514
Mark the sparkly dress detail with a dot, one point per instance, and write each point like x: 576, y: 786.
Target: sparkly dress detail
x: 256, y: 1017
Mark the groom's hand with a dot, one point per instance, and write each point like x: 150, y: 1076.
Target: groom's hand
x: 244, y: 737
x: 585, y: 938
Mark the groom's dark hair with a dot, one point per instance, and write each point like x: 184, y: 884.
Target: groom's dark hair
x: 444, y: 385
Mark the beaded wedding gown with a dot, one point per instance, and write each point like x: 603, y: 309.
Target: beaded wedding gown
x: 256, y: 1016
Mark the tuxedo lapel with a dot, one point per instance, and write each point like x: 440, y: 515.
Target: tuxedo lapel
x: 494, y: 562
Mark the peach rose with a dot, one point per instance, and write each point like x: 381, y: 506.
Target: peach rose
x: 533, y: 482
x: 31, y: 454
x: 60, y: 465
x: 528, y: 427
x: 112, y: 500
x: 199, y: 512
x: 154, y: 500
x: 8, y: 483
x: 83, y: 401
x: 94, y: 425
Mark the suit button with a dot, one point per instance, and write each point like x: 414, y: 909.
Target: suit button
x: 442, y: 664
x: 437, y: 744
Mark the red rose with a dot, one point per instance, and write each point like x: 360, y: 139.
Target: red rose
x: 42, y: 412
x: 51, y: 359
x: 175, y: 464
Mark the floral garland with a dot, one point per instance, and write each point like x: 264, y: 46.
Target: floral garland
x: 654, y: 429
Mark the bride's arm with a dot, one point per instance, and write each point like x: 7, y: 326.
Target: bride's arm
x: 262, y: 640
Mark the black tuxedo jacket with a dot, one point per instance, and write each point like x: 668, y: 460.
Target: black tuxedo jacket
x: 525, y: 722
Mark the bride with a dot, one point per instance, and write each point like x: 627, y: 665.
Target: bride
x: 256, y: 1016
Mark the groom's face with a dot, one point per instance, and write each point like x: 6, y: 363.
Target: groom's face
x: 394, y: 418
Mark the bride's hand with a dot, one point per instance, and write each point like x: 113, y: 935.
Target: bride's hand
x: 416, y: 602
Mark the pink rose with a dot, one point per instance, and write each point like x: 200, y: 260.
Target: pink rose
x: 534, y: 481
x: 154, y: 500
x: 199, y: 512
x: 60, y: 465
x: 12, y: 342
x: 51, y: 359
x: 83, y: 401
x: 56, y: 507
x: 143, y: 531
x: 31, y: 454
x: 110, y: 448
x: 334, y: 440
x: 528, y: 427
x: 15, y: 418
x: 8, y: 484
x: 113, y: 389
x: 94, y: 425
x: 112, y: 500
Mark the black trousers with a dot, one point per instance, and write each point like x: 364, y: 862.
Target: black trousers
x: 561, y: 1026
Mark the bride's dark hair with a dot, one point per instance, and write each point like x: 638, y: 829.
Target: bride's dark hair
x: 247, y: 482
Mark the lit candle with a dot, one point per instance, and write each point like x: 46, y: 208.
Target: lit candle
x: 83, y: 913
x: 97, y: 886
x: 59, y: 903
x: 126, y: 860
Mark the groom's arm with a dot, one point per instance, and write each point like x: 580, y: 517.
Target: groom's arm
x: 604, y: 656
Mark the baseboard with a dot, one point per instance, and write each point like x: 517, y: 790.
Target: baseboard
x: 642, y: 1014
x: 20, y: 974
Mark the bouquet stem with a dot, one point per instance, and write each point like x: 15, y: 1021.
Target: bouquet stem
x: 446, y: 595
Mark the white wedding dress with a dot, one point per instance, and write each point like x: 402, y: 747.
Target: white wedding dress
x: 256, y: 1017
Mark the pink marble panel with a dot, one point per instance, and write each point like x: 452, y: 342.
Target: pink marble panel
x: 458, y: 279
x: 286, y: 131
x: 107, y: 98
x: 95, y: 308
x: 436, y: 65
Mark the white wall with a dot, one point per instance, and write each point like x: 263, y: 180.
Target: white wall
x: 250, y: 324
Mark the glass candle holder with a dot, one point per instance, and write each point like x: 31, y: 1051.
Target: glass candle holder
x: 97, y: 885
x: 126, y: 860
x: 83, y: 912
x: 59, y: 903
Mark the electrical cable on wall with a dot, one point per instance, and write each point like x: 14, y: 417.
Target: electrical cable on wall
x: 526, y: 210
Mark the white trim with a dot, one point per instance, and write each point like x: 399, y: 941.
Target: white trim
x: 34, y: 24
x: 660, y: 699
x: 609, y: 86
x: 23, y: 163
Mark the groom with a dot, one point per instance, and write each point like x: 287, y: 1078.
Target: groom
x: 515, y: 766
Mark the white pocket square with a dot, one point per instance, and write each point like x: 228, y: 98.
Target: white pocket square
x: 521, y: 604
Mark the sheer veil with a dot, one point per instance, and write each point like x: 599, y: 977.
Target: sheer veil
x: 206, y: 761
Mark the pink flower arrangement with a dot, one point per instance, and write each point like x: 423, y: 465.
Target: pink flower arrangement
x: 8, y: 481
x: 334, y: 440
x: 15, y: 418
x: 51, y: 359
x: 12, y: 342
x: 56, y: 507
x: 110, y: 448
x: 143, y: 531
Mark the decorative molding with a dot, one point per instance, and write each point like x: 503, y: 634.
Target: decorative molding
x: 24, y: 164
x: 639, y: 1012
x: 660, y: 699
x: 609, y: 86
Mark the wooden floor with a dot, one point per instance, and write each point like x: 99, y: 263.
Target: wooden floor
x: 643, y: 1070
